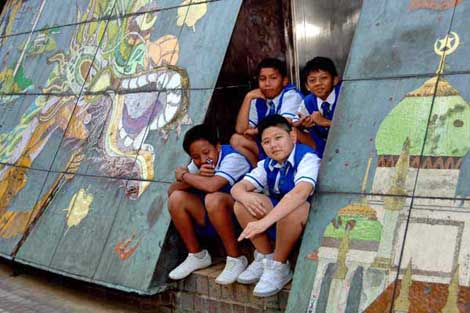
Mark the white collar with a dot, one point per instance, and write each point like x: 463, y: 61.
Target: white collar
x: 289, y: 160
x: 275, y: 100
x: 330, y: 99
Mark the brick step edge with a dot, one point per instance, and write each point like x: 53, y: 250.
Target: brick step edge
x: 199, y: 291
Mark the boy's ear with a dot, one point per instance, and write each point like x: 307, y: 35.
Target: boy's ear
x: 335, y: 80
x: 293, y: 135
x: 285, y: 81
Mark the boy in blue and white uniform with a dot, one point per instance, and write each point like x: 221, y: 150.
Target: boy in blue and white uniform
x: 200, y: 203
x: 289, y: 173
x: 317, y: 109
x: 274, y: 96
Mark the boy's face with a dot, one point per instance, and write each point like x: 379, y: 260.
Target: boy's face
x: 321, y: 83
x: 278, y: 143
x: 202, y: 150
x: 271, y: 82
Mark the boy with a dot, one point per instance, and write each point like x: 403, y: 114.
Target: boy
x: 317, y: 109
x: 274, y: 96
x: 200, y: 199
x: 289, y: 173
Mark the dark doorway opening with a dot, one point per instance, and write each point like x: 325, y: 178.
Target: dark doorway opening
x: 263, y: 29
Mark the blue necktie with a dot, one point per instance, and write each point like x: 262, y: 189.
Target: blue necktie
x: 282, y: 174
x: 272, y: 107
x: 325, y: 106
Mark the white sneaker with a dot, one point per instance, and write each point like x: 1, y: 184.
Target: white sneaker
x: 233, y: 268
x: 254, y: 271
x: 275, y: 276
x: 193, y: 262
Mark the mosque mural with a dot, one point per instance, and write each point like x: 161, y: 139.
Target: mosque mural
x: 364, y: 262
x: 90, y: 98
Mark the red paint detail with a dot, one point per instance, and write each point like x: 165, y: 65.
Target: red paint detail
x: 313, y: 255
x: 440, y: 5
x: 123, y: 249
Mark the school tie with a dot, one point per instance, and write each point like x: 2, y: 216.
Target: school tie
x: 272, y: 107
x: 282, y: 173
x: 325, y: 106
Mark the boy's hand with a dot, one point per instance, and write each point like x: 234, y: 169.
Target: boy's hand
x: 305, y: 121
x: 319, y: 119
x: 251, y: 132
x: 254, y: 204
x: 207, y: 170
x: 255, y: 94
x: 253, y: 229
x: 179, y: 172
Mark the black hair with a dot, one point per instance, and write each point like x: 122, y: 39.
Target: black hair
x: 277, y: 64
x: 199, y: 132
x: 275, y: 120
x: 320, y: 63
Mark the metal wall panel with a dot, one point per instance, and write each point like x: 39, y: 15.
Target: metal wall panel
x: 324, y: 28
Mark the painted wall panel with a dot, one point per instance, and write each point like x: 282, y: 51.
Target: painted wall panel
x: 392, y: 39
x: 405, y: 107
x: 18, y: 17
x: 102, y: 126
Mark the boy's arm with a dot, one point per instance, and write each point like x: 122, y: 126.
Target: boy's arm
x: 206, y: 184
x: 320, y: 120
x: 291, y: 200
x: 245, y: 193
x: 242, y: 123
x: 177, y: 186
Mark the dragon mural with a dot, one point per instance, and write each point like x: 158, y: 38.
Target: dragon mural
x: 106, y: 93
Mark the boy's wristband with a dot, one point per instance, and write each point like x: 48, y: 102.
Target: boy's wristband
x: 182, y: 176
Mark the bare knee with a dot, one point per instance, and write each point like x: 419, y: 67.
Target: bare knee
x: 176, y: 200
x: 298, y: 217
x: 236, y: 140
x: 239, y: 209
x: 212, y: 203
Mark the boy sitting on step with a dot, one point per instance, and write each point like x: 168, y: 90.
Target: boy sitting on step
x: 274, y: 96
x: 200, y: 203
x: 289, y: 173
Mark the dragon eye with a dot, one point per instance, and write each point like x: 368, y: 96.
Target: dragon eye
x: 85, y: 66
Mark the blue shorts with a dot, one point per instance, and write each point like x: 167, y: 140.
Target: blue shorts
x: 207, y: 230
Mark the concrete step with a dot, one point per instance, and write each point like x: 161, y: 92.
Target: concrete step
x: 200, y: 294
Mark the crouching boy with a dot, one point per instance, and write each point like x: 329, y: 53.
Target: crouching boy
x: 200, y: 203
x: 289, y: 173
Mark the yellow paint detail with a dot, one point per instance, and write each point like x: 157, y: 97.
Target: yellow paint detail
x: 190, y: 12
x: 165, y: 50
x: 78, y: 208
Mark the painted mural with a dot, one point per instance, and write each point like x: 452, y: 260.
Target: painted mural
x: 89, y: 98
x: 389, y: 228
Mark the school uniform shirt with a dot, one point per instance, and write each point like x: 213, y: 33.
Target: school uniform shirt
x: 231, y: 165
x: 302, y: 165
x: 330, y: 101
x: 285, y: 104
x: 311, y: 104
